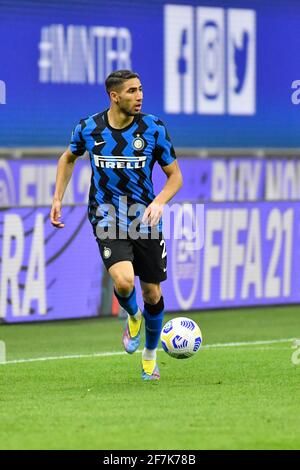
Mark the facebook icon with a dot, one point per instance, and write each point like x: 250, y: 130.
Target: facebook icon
x: 2, y: 92
x: 179, y: 60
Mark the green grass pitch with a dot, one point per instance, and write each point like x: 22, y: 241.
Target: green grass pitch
x: 228, y: 396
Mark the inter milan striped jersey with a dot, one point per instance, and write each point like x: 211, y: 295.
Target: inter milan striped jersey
x: 122, y: 159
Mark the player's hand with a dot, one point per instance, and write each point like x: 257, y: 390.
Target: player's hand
x: 153, y: 214
x: 55, y: 215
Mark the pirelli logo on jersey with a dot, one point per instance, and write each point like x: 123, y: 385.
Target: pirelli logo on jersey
x: 113, y: 161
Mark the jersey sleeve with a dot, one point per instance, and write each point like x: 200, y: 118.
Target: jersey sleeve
x: 164, y: 150
x: 77, y: 144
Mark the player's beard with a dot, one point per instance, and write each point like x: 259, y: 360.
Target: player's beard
x: 129, y: 112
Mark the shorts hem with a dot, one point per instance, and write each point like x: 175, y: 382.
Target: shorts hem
x: 109, y: 265
x: 153, y: 281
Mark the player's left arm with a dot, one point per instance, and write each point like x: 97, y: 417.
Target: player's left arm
x: 165, y: 155
x: 174, y: 182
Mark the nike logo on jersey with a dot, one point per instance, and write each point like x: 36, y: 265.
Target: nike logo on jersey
x: 113, y: 161
x: 99, y: 143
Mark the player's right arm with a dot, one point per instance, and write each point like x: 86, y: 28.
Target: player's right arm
x: 65, y: 169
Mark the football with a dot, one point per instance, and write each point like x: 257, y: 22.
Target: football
x: 181, y: 337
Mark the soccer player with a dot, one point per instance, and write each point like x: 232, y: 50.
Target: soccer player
x: 124, y: 145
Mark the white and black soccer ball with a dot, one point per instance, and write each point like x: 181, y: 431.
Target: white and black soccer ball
x: 181, y: 337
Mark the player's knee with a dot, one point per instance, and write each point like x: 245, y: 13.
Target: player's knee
x: 124, y: 285
x: 152, y: 295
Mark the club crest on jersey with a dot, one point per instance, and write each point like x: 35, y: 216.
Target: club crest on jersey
x: 138, y: 143
x: 113, y: 161
x: 106, y: 252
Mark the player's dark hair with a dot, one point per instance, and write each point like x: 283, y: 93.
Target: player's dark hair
x: 116, y: 79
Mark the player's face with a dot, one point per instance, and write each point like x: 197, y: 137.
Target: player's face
x: 130, y: 97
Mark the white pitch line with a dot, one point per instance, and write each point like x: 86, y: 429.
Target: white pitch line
x: 120, y: 353
x: 247, y: 343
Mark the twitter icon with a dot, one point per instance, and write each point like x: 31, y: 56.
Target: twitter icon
x: 241, y: 91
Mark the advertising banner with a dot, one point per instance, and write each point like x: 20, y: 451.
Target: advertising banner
x: 217, y: 75
x: 31, y: 182
x: 48, y: 273
x: 248, y: 255
x: 219, y: 255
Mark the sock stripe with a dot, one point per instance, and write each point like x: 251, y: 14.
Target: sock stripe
x: 128, y: 303
x: 155, y: 309
x: 154, y: 315
x: 120, y: 297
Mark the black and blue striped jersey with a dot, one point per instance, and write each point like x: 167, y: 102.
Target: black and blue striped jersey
x: 122, y: 159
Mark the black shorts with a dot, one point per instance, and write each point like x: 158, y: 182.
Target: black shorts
x: 148, y: 256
